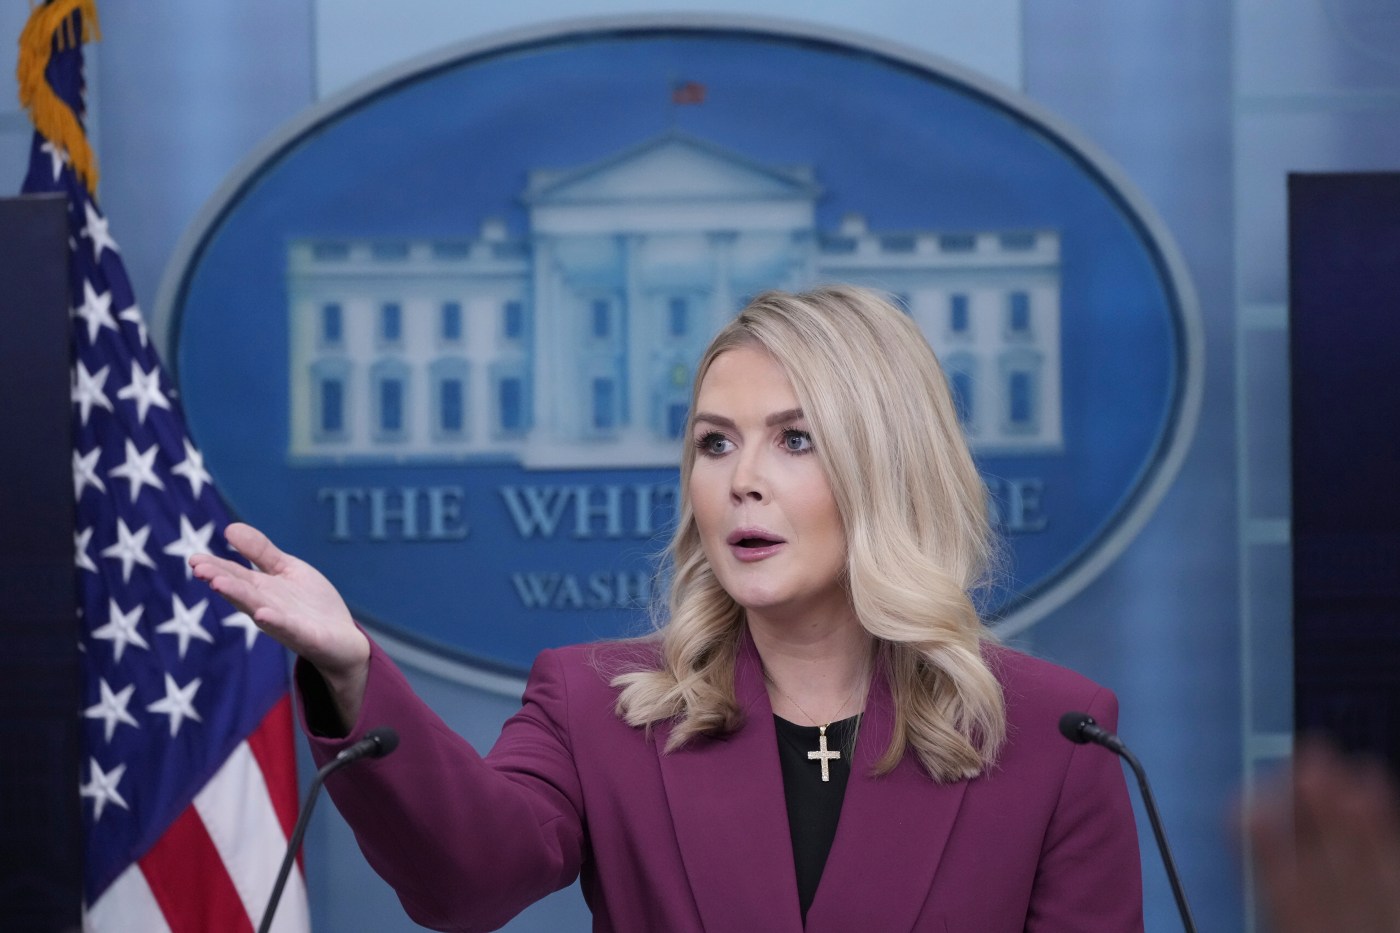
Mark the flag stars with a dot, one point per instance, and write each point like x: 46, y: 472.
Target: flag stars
x: 132, y: 315
x: 81, y: 540
x: 111, y: 708
x: 144, y: 389
x: 56, y: 156
x: 120, y: 629
x: 102, y: 787
x: 184, y: 624
x: 139, y: 469
x: 85, y: 472
x: 192, y: 469
x: 96, y: 310
x: 178, y: 703
x: 130, y: 549
x: 87, y: 389
x: 192, y: 541
x: 96, y: 230
x: 245, y: 622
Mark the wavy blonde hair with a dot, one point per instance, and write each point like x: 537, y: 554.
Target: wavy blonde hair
x: 918, y: 540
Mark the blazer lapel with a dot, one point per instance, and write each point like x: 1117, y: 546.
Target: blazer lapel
x: 727, y: 804
x: 890, y: 838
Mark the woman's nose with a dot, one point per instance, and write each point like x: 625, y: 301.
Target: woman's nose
x: 747, y: 481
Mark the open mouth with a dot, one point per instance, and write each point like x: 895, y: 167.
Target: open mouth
x: 752, y: 539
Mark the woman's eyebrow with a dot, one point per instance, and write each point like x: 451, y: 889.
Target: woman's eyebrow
x: 717, y: 420
x: 778, y: 417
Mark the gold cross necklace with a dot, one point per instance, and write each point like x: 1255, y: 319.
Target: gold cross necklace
x: 822, y: 754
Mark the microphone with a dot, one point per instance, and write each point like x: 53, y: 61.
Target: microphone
x: 377, y: 743
x: 1081, y: 729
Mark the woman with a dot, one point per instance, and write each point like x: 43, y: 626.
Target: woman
x: 822, y: 735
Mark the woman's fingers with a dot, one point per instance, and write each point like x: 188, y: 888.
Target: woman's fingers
x: 247, y: 588
x: 289, y: 600
x: 229, y: 579
x: 208, y: 566
x: 257, y: 547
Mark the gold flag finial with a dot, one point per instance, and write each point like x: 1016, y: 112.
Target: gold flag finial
x: 53, y: 26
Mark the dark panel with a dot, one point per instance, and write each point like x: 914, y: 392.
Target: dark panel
x: 1344, y: 244
x: 40, y: 817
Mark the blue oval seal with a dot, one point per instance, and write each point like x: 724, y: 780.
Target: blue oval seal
x: 437, y: 336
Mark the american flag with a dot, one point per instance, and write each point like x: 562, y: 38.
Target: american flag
x: 188, y: 778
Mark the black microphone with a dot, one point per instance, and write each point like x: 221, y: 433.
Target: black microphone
x: 1080, y: 729
x: 376, y: 744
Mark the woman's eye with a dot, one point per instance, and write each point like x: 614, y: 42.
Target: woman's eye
x: 797, y: 441
x: 713, y: 444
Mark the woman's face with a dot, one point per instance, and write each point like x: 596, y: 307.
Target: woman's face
x: 763, y: 506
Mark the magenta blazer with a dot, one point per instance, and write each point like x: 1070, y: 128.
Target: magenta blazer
x: 697, y: 840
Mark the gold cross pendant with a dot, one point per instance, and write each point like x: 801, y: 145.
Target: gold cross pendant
x: 824, y: 755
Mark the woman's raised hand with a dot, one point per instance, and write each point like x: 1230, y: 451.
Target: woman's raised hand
x: 292, y: 602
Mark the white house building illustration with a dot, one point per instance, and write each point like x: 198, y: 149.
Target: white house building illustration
x: 574, y: 344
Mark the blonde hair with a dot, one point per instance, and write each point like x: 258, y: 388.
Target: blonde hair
x: 918, y: 539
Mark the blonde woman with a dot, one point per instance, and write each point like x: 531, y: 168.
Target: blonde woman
x: 821, y: 735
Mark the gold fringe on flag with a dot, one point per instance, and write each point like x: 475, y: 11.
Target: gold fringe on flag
x: 50, y: 25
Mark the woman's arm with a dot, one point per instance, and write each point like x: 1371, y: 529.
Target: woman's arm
x: 466, y: 842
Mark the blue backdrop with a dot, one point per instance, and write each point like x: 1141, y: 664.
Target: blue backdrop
x: 1204, y: 105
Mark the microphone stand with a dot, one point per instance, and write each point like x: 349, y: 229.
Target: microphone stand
x: 1081, y: 728
x: 1151, y: 806
x: 376, y: 744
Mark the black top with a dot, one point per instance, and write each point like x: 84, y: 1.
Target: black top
x: 813, y: 806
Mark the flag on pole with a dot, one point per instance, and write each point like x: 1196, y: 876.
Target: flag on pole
x: 188, y: 778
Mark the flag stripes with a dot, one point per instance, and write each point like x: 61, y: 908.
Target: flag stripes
x: 215, y: 868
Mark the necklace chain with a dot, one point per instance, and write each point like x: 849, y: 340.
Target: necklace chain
x: 812, y: 719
